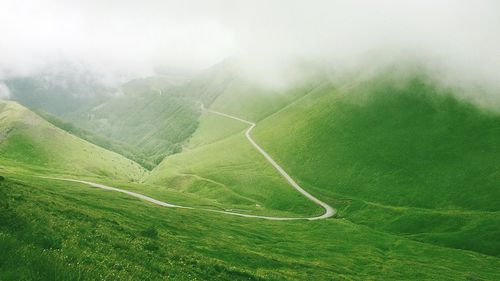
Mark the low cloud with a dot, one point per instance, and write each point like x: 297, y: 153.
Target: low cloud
x: 4, y: 91
x: 133, y: 38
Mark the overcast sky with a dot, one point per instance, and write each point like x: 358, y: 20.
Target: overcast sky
x: 135, y: 36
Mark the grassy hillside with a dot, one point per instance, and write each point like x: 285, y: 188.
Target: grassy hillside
x: 27, y: 140
x: 122, y: 148
x: 219, y: 163
x: 404, y: 157
x: 148, y: 117
x: 401, y: 156
x: 53, y: 230
x: 152, y: 117
x: 412, y: 170
x: 253, y: 101
x: 144, y: 119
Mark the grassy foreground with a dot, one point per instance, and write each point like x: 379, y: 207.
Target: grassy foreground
x: 52, y: 230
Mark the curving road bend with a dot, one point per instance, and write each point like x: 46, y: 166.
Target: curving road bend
x: 328, y: 210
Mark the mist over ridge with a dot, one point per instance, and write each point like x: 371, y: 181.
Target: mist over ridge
x: 458, y: 42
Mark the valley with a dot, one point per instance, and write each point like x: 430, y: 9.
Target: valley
x: 362, y: 180
x: 271, y: 140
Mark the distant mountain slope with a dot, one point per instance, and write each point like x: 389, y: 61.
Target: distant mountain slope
x: 148, y: 118
x: 28, y: 141
x: 144, y: 119
x: 107, y: 143
x: 411, y: 158
x: 156, y: 123
x: 60, y: 91
x: 237, y: 93
x: 156, y: 116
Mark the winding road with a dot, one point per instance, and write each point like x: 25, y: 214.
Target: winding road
x: 328, y: 210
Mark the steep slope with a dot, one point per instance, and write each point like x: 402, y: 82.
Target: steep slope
x: 107, y: 143
x: 147, y: 116
x: 144, y: 119
x: 251, y: 99
x: 409, y: 158
x: 156, y: 116
x: 28, y: 141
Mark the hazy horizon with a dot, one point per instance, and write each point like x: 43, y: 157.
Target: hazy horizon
x: 133, y: 38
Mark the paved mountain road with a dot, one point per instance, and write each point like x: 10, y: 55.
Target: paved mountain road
x: 328, y: 210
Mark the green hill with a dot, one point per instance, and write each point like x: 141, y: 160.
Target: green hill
x: 406, y: 156
x: 157, y: 115
x: 219, y: 163
x: 399, y: 155
x: 147, y: 116
x: 144, y: 119
x: 130, y: 152
x: 28, y: 141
